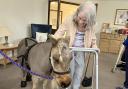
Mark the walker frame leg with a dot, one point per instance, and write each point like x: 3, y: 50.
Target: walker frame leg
x: 118, y: 58
x: 95, y: 66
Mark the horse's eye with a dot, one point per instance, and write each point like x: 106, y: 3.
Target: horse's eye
x: 56, y: 60
x: 64, y: 47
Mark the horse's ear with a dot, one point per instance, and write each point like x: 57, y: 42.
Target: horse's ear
x: 67, y: 39
x: 52, y: 39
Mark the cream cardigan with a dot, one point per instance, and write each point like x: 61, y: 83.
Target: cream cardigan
x: 70, y: 29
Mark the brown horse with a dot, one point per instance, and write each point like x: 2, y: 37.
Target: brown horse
x: 44, y: 56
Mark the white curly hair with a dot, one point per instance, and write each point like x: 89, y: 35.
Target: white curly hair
x: 89, y: 10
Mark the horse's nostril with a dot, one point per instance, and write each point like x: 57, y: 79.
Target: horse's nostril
x: 64, y: 85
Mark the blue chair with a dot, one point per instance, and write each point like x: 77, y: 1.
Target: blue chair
x: 40, y: 28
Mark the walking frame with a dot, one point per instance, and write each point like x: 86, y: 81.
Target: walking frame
x: 95, y: 64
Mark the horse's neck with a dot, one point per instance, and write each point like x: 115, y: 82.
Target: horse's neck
x: 51, y: 84
x: 54, y: 84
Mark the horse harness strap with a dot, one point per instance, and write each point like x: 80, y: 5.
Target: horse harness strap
x: 56, y: 72
x: 25, y: 55
x: 61, y: 73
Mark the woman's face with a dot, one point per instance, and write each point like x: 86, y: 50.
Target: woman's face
x: 81, y: 20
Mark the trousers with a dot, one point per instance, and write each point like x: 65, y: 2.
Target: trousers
x: 77, y: 67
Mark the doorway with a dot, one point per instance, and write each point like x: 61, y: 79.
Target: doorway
x: 58, y: 11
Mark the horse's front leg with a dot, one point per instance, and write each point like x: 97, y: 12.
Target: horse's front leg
x: 23, y: 80
x: 37, y: 82
x: 24, y: 73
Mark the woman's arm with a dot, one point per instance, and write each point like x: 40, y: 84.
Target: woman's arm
x: 60, y: 32
x: 63, y: 28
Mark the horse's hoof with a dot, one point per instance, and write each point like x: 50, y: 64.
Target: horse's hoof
x: 28, y: 77
x: 23, y: 83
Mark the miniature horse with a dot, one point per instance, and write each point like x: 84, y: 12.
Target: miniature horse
x: 50, y: 58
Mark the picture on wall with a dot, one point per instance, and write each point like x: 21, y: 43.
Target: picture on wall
x: 121, y: 16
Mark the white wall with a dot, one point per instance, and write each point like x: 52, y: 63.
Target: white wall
x: 107, y: 11
x: 17, y: 15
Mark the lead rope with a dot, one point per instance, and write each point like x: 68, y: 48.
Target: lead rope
x: 24, y: 68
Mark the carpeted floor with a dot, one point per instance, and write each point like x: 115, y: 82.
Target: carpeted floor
x: 10, y: 76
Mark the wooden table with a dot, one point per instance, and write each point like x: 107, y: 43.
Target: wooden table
x: 6, y: 49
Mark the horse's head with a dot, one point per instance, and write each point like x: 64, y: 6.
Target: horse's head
x: 60, y: 60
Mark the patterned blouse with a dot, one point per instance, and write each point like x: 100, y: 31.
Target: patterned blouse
x: 79, y: 39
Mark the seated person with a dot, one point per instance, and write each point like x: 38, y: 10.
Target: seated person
x: 125, y: 43
x: 122, y: 65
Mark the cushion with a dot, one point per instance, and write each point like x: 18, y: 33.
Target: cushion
x: 41, y: 37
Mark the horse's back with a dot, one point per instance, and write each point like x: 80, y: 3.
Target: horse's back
x: 39, y: 57
x: 24, y: 44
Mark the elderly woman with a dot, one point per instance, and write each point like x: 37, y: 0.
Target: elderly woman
x: 79, y: 28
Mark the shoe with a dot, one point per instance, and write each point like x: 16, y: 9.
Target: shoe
x: 87, y: 81
x: 121, y: 65
x: 123, y: 69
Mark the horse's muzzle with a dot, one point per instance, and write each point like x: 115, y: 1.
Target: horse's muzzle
x: 64, y: 80
x: 65, y: 85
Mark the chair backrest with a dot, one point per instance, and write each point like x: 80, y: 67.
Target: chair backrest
x: 40, y: 28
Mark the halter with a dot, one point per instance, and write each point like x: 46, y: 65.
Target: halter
x: 61, y: 73
x: 56, y: 72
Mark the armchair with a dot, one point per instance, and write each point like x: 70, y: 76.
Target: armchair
x: 40, y: 28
